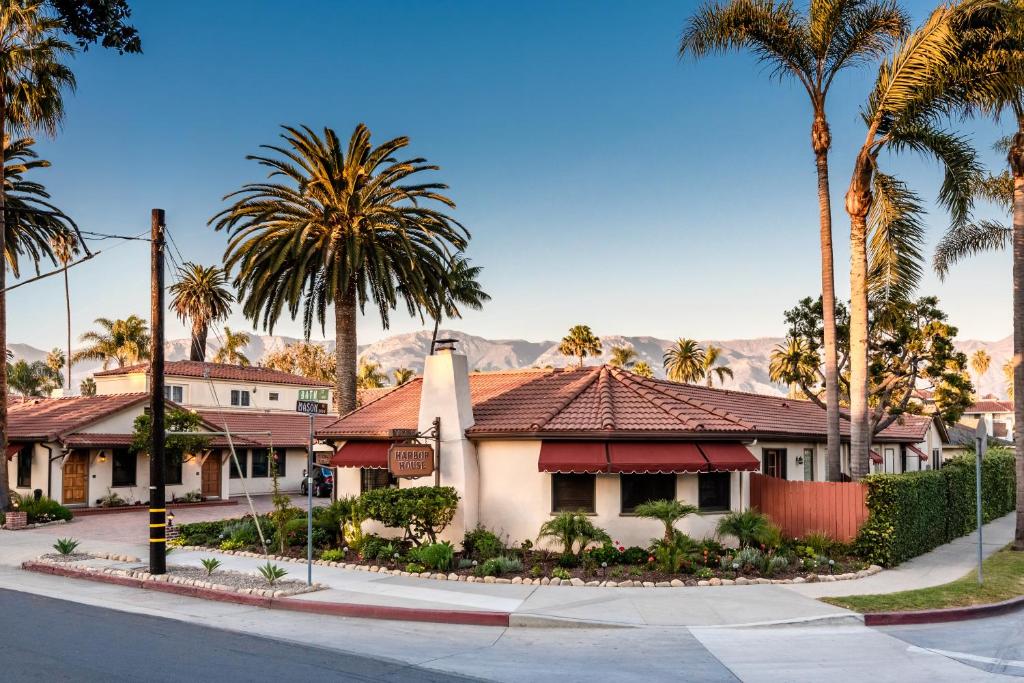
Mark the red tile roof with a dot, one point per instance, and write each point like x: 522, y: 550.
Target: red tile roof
x: 287, y: 429
x: 986, y: 406
x: 189, y: 368
x: 49, y: 418
x: 603, y: 401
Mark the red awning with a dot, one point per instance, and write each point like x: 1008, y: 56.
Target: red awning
x: 577, y: 457
x: 876, y: 458
x: 631, y: 457
x: 362, y: 454
x: 729, y: 456
x: 12, y: 449
x: 918, y: 452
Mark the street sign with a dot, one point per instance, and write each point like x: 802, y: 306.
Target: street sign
x: 313, y: 394
x: 411, y: 460
x: 311, y: 407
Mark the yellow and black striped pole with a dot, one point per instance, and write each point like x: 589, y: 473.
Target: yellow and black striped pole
x: 157, y: 510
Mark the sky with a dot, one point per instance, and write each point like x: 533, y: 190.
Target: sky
x: 604, y: 180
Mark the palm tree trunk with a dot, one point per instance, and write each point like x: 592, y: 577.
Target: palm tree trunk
x: 345, y: 350
x: 5, y: 496
x: 433, y: 338
x: 67, y: 304
x: 821, y: 141
x: 200, y: 330
x: 1017, y: 166
x: 858, y: 204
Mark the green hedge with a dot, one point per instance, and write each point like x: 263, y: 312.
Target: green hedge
x: 910, y: 514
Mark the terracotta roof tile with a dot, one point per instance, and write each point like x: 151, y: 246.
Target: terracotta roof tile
x: 47, y: 418
x: 189, y: 368
x: 288, y: 429
x: 988, y: 406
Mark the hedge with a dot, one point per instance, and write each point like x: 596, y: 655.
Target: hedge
x: 910, y: 514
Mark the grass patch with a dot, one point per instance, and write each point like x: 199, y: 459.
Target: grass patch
x: 1004, y: 579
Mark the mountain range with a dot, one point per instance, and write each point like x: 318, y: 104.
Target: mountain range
x: 748, y: 358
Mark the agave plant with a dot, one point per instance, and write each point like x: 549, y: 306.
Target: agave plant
x: 210, y: 564
x: 272, y: 572
x: 65, y: 546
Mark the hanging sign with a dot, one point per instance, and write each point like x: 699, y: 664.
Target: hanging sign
x: 323, y: 457
x: 411, y: 460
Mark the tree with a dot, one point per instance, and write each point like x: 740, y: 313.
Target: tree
x: 684, y: 361
x: 1008, y: 369
x: 122, y: 341
x: 231, y: 350
x: 87, y: 387
x: 668, y: 512
x: 911, y: 347
x: 302, y: 358
x: 176, y: 446
x: 342, y: 227
x: 642, y: 368
x: 980, y: 362
x: 580, y: 343
x: 458, y: 287
x: 402, y: 375
x: 56, y: 360
x: 33, y: 379
x: 65, y: 246
x: 202, y: 296
x: 712, y: 368
x: 623, y: 357
x: 103, y: 21
x: 812, y: 49
x: 370, y: 375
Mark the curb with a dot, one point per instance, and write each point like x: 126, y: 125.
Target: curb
x: 935, y: 616
x: 340, y: 609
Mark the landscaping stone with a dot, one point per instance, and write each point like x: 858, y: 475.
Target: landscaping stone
x: 489, y: 579
x: 648, y: 584
x: 715, y: 582
x: 592, y: 583
x: 555, y: 581
x: 676, y: 583
x: 703, y: 582
x: 545, y: 581
x: 518, y: 579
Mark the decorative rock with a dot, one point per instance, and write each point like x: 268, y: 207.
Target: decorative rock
x: 545, y: 581
x: 676, y: 583
x: 703, y: 582
x: 555, y: 581
x: 464, y: 579
x: 503, y: 581
x: 762, y: 581
x: 728, y: 582
x: 663, y: 584
x: 279, y: 594
x: 611, y: 584
x: 576, y: 581
x: 648, y: 584
x: 592, y: 583
x: 453, y: 577
x: 488, y: 579
x: 799, y: 579
x: 715, y: 582
x: 518, y: 579
x: 690, y: 583
x: 424, y: 575
x: 625, y: 584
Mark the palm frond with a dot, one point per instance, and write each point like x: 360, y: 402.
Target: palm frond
x: 968, y: 239
x: 896, y: 237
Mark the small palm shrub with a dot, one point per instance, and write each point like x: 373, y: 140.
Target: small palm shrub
x: 65, y: 546
x: 271, y: 572
x: 670, y: 555
x: 388, y: 551
x: 573, y: 531
x: 748, y: 528
x: 668, y: 512
x: 210, y: 564
x: 502, y: 564
x: 112, y: 500
x: 436, y: 556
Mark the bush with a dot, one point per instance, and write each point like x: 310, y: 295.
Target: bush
x: 44, y: 510
x: 423, y: 511
x: 749, y: 528
x: 371, y: 545
x: 482, y: 544
x: 573, y: 530
x: 559, y: 573
x: 912, y: 513
x: 331, y: 518
x: 242, y: 531
x: 437, y: 556
x: 634, y: 555
x: 333, y: 555
x: 295, y: 534
x: 670, y: 555
x: 606, y: 553
x: 496, y: 566
x: 201, y: 533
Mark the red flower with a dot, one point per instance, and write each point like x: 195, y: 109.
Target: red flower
x: 650, y: 558
x: 622, y: 548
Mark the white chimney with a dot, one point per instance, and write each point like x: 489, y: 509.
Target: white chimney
x: 445, y: 395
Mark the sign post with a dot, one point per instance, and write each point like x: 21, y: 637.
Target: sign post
x: 980, y: 446
x: 308, y: 403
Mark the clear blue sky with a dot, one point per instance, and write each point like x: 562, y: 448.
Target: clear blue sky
x: 604, y: 181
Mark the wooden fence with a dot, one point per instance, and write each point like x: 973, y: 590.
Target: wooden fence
x: 803, y: 507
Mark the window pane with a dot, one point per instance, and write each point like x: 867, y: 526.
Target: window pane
x: 243, y: 461
x: 375, y: 478
x: 260, y: 463
x: 640, y: 488
x: 245, y: 398
x: 808, y: 464
x: 572, y: 492
x: 124, y: 467
x: 714, y: 491
x: 25, y: 467
x: 172, y: 472
x: 273, y: 395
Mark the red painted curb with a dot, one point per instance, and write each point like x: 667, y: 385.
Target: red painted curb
x: 935, y: 616
x: 337, y: 609
x: 89, y: 512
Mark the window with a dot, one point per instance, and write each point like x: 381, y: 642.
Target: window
x: 773, y: 462
x: 174, y: 392
x: 260, y: 463
x: 936, y: 458
x: 371, y: 478
x: 903, y: 459
x: 273, y: 396
x: 239, y: 397
x: 889, y: 460
x: 808, y: 464
x: 714, y: 491
x: 172, y: 471
x: 124, y: 465
x: 640, y: 488
x: 573, y: 492
x: 243, y: 461
x: 25, y: 467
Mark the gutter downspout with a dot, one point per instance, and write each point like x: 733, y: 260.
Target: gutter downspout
x: 49, y: 468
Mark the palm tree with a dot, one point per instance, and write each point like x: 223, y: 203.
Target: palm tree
x: 87, y: 387
x: 580, y: 343
x: 65, y: 246
x: 915, y: 88
x: 33, y: 379
x: 668, y: 512
x: 32, y: 79
x: 370, y: 375
x: 341, y: 227
x: 1008, y: 370
x: 402, y: 375
x: 642, y: 368
x: 622, y: 357
x: 231, y: 350
x: 122, y: 341
x: 458, y: 287
x: 684, y: 361
x: 812, y: 49
x: 202, y: 296
x: 56, y: 360
x: 793, y: 363
x: 713, y: 368
x: 980, y: 362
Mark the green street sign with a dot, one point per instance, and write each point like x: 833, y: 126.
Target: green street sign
x: 313, y: 394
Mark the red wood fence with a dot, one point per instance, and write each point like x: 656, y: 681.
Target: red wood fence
x: 803, y: 507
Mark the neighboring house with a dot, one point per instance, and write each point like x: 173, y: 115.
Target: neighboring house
x: 998, y: 416
x: 522, y: 445
x: 961, y: 441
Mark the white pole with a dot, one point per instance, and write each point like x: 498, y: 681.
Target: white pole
x: 309, y: 513
x: 981, y: 443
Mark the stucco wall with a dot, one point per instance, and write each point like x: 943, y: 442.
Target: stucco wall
x: 198, y: 392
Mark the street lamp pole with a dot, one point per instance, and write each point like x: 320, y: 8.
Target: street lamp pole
x: 981, y: 445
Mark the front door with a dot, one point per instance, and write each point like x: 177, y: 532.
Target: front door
x: 211, y: 476
x: 76, y: 469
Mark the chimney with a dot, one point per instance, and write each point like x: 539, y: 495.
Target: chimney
x: 445, y: 394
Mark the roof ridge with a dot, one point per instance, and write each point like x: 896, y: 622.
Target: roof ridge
x: 605, y: 406
x: 576, y: 388
x: 695, y: 402
x: 660, y: 403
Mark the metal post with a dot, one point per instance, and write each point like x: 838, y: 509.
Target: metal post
x: 309, y: 512
x: 981, y: 444
x: 157, y: 495
x: 437, y: 451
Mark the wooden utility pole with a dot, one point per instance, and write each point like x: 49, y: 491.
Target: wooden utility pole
x: 157, y: 508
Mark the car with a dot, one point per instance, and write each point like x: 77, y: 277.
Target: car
x: 323, y: 482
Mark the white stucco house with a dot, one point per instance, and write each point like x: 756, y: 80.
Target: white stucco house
x: 522, y: 445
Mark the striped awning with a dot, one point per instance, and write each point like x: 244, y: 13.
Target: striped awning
x: 918, y: 452
x: 651, y: 457
x: 372, y: 454
x: 729, y: 456
x: 573, y: 457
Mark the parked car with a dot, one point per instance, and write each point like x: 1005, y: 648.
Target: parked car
x: 323, y: 482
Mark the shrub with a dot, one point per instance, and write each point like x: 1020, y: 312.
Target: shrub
x: 422, y: 511
x: 502, y: 564
x: 295, y: 534
x: 670, y: 555
x: 210, y: 564
x: 389, y: 552
x: 668, y: 512
x: 748, y: 528
x: 703, y: 574
x: 775, y: 564
x: 559, y: 573
x: 634, y: 555
x: 573, y: 530
x: 112, y: 500
x: 242, y: 531
x: 43, y: 510
x: 820, y: 544
x: 370, y: 546
x: 65, y: 546
x: 482, y: 544
x: 415, y: 568
x: 331, y: 519
x: 438, y: 556
x: 271, y: 572
x: 607, y: 553
x: 333, y: 555
x: 201, y: 533
x: 230, y: 544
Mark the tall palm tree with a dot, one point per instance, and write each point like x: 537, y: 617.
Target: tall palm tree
x: 121, y: 341
x: 202, y: 296
x: 458, y: 287
x: 580, y: 343
x: 1008, y: 370
x: 812, y: 48
x: 642, y: 368
x: 793, y: 363
x: 622, y: 357
x: 231, y: 350
x: 916, y: 86
x: 684, y: 361
x: 713, y: 368
x: 56, y: 360
x: 402, y: 375
x: 33, y: 379
x: 980, y: 362
x: 341, y: 226
x: 370, y: 375
x: 87, y: 387
x: 32, y: 79
x: 65, y: 247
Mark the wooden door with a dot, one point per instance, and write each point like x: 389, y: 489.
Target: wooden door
x: 76, y: 471
x: 211, y: 476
